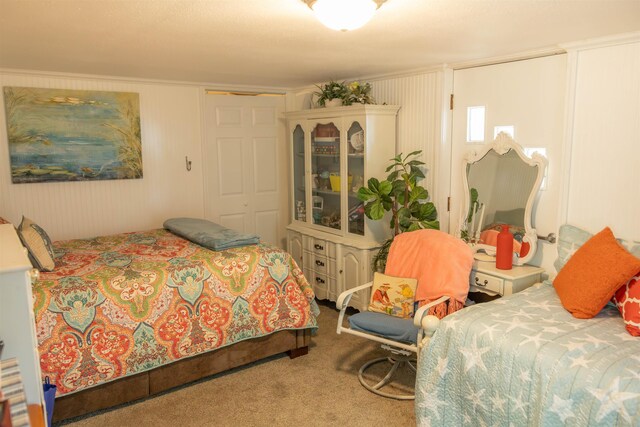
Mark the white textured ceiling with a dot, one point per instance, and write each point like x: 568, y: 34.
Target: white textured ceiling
x: 279, y: 43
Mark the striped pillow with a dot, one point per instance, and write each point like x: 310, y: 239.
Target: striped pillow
x: 37, y: 242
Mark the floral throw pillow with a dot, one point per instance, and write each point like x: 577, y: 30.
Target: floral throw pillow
x: 627, y: 299
x: 37, y: 242
x: 393, y: 295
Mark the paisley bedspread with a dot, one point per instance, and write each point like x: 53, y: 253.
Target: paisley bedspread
x: 523, y: 360
x: 120, y: 305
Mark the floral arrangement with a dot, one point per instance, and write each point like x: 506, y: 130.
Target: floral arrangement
x: 359, y: 94
x: 353, y: 93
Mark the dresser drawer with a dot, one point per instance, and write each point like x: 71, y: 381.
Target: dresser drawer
x: 320, y: 264
x: 318, y: 279
x: 316, y: 246
x: 319, y: 246
x: 323, y: 285
x: 486, y: 282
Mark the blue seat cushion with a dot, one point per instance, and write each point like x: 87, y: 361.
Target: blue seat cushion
x: 390, y: 327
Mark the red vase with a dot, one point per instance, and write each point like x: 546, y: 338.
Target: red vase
x: 504, y: 249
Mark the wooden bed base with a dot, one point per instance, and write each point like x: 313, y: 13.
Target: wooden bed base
x: 128, y: 389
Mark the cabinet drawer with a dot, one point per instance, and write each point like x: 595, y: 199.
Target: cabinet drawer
x: 485, y: 282
x: 320, y: 280
x: 320, y: 264
x: 319, y: 247
x: 323, y: 286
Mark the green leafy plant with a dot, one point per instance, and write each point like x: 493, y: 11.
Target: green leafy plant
x: 473, y: 208
x: 331, y: 90
x: 401, y: 195
x: 359, y: 94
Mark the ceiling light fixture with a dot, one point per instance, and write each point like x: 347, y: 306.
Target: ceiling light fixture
x: 344, y: 15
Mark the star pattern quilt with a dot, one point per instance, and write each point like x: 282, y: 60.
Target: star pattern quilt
x: 523, y: 360
x: 120, y: 305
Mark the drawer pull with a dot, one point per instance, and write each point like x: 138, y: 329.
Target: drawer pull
x: 319, y: 263
x: 486, y: 282
x: 319, y: 280
x: 318, y: 247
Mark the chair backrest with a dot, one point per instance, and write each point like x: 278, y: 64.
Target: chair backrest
x: 441, y: 262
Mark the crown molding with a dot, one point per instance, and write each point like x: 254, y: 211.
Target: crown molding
x: 208, y: 86
x: 603, y: 41
x: 520, y: 56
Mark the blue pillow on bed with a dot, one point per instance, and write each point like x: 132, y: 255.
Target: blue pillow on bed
x: 209, y: 234
x: 571, y: 238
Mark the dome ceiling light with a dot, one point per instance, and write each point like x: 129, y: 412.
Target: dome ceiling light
x: 344, y: 15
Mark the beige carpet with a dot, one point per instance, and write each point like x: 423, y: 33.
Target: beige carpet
x: 319, y: 389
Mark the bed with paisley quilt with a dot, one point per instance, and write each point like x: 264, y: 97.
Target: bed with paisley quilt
x: 126, y: 316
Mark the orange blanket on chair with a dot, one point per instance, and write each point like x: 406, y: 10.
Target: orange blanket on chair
x: 440, y: 262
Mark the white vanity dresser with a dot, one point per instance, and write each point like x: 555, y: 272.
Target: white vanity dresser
x: 502, y: 184
x: 486, y: 278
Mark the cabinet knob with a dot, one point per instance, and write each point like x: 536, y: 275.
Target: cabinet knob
x: 340, y: 271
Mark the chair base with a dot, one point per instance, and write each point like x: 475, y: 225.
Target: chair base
x: 396, y: 362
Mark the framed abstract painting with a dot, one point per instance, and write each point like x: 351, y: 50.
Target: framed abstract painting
x: 72, y: 135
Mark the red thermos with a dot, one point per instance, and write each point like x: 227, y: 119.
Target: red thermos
x: 504, y: 250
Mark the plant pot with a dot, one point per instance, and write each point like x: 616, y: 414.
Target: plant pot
x: 335, y: 102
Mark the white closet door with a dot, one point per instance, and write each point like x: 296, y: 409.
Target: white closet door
x: 245, y: 164
x: 528, y: 95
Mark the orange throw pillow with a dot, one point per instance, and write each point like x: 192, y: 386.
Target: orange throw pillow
x: 593, y: 274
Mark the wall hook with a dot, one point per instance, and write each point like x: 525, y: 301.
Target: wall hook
x: 188, y: 163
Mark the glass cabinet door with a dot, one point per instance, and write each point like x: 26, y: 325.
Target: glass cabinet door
x: 299, y: 193
x: 325, y: 175
x: 355, y: 170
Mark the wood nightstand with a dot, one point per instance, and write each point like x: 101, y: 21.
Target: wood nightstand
x: 486, y: 278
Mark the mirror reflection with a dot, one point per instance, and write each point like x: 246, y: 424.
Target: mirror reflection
x: 499, y: 188
x: 502, y: 184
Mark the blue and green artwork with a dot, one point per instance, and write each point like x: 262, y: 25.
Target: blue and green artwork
x: 72, y: 135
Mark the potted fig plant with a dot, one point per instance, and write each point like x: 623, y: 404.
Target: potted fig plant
x: 331, y: 94
x: 401, y: 195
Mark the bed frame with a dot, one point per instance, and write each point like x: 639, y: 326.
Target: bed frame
x: 145, y: 384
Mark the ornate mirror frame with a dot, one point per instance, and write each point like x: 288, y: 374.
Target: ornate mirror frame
x: 502, y: 145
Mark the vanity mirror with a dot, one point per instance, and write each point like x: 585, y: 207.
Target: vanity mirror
x: 501, y: 184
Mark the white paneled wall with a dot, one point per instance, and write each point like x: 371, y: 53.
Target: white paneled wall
x: 171, y: 129
x: 603, y: 187
x: 419, y: 119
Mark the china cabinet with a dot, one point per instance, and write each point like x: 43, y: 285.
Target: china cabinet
x: 334, y: 151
